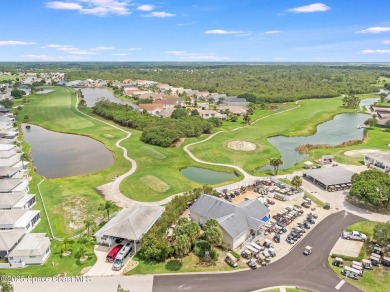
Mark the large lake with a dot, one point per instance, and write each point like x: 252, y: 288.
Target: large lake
x: 91, y: 95
x: 61, y: 155
x: 341, y: 128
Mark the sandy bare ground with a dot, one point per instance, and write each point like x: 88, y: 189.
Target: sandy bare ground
x: 362, y: 152
x: 241, y: 146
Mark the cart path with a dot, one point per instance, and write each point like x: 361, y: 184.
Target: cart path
x: 247, y: 176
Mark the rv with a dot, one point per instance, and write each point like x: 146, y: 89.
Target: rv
x: 121, y: 257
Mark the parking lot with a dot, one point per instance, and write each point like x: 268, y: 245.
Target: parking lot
x: 346, y: 247
x: 276, y: 207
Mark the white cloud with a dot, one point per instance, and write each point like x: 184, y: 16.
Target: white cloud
x: 273, y: 31
x: 160, y: 14
x: 222, y: 31
x: 133, y: 49
x: 53, y: 58
x: 93, y: 7
x: 187, y: 56
x: 54, y: 46
x: 64, y: 5
x: 15, y: 43
x: 67, y: 49
x: 145, y: 7
x: 102, y: 49
x: 80, y: 52
x: 387, y: 42
x: 376, y: 29
x: 368, y: 52
x: 315, y: 7
x: 186, y: 24
x: 120, y: 54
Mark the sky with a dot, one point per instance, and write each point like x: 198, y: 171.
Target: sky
x: 201, y: 30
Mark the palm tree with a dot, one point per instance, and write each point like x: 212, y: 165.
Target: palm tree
x: 246, y: 119
x: 276, y: 162
x: 296, y: 182
x: 25, y: 119
x: 67, y: 241
x: 182, y: 246
x: 82, y: 251
x: 106, y: 207
x: 89, y: 224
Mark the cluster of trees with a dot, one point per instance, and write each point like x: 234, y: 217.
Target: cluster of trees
x: 351, y: 101
x: 372, y: 187
x: 155, y: 246
x: 7, y: 103
x: 155, y: 130
x: 382, y: 235
x: 82, y: 102
x: 17, y: 93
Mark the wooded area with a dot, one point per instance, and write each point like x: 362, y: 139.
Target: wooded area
x: 267, y: 82
x: 155, y: 130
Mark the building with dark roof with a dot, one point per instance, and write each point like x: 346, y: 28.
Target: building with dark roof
x: 331, y: 178
x: 238, y: 222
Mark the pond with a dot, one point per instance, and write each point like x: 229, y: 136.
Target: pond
x: 206, y: 176
x: 61, y: 155
x: 91, y: 95
x: 341, y: 128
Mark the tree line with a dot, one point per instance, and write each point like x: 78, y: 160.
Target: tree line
x: 155, y: 130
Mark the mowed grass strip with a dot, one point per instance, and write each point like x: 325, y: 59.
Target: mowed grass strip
x: 154, y: 183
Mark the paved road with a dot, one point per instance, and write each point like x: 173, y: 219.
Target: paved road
x: 312, y: 273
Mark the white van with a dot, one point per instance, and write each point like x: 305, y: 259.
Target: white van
x: 121, y: 257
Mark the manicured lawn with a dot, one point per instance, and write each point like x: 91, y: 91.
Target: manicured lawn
x: 294, y: 290
x: 300, y: 121
x: 366, y: 227
x: 190, y: 263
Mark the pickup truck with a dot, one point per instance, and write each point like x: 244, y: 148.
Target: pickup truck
x: 354, y: 235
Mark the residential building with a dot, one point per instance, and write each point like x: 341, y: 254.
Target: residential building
x: 33, y: 249
x: 239, y: 223
x: 130, y: 223
x: 237, y: 110
x: 13, y: 172
x: 9, y: 158
x: 167, y: 103
x: 379, y: 160
x: 206, y: 114
x: 16, y: 201
x: 19, y: 219
x: 152, y: 109
x: 8, y: 240
x: 13, y: 186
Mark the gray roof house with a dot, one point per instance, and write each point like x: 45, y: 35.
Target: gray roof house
x: 130, y: 223
x: 8, y: 240
x: 19, y: 219
x: 16, y: 201
x: 13, y: 185
x: 238, y: 222
x: 34, y: 249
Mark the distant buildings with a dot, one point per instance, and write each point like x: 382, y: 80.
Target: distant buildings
x: 379, y: 160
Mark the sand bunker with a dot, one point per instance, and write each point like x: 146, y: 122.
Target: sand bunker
x: 241, y: 146
x: 362, y: 152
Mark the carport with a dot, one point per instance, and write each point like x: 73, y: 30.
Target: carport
x: 331, y: 178
x: 130, y: 223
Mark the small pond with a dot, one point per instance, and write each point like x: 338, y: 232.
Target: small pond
x: 206, y: 176
x: 60, y: 155
x: 91, y: 95
x: 341, y: 128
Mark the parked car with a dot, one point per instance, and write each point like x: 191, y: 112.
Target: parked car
x: 354, y: 235
x: 251, y: 264
x: 113, y: 253
x: 121, y: 257
x: 231, y: 260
